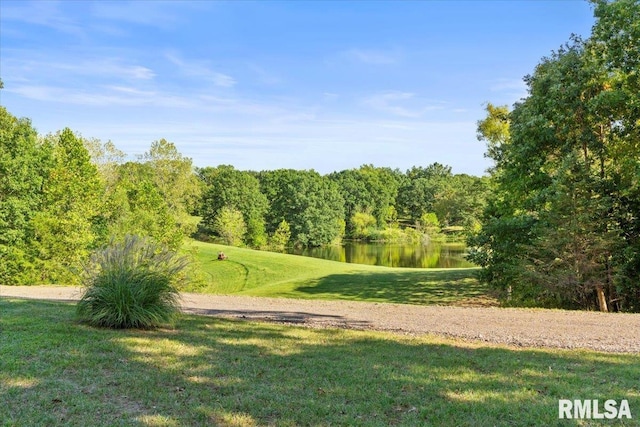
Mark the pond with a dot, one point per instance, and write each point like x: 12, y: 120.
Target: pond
x: 433, y: 255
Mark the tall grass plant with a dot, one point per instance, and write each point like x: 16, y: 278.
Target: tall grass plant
x: 131, y: 284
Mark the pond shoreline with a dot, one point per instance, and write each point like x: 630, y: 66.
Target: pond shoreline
x: 390, y: 254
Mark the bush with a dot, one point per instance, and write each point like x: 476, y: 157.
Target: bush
x: 131, y: 284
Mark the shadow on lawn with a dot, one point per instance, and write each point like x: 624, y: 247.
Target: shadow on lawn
x: 428, y: 287
x: 293, y: 317
x: 234, y: 373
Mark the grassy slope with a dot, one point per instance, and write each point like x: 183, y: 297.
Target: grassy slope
x: 261, y: 273
x: 207, y: 371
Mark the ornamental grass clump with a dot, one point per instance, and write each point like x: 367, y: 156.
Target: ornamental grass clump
x: 131, y: 284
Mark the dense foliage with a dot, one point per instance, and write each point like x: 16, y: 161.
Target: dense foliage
x: 22, y: 176
x: 62, y: 196
x: 562, y: 227
x: 225, y: 189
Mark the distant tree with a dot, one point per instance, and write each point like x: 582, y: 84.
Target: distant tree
x: 418, y: 194
x: 363, y: 223
x: 175, y: 179
x: 141, y: 208
x: 227, y: 187
x: 107, y: 160
x: 461, y: 201
x: 369, y: 189
x: 310, y: 203
x: 281, y: 236
x: 230, y: 226
x: 356, y: 195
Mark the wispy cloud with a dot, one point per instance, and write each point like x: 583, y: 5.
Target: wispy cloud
x: 29, y: 64
x: 202, y: 70
x: 403, y: 104
x: 264, y: 76
x: 373, y: 56
x: 44, y: 13
x: 161, y: 14
x: 109, y: 96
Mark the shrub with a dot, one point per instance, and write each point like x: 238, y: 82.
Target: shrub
x: 131, y: 284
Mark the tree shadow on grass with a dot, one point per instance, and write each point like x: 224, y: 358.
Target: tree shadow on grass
x: 209, y: 371
x: 427, y: 287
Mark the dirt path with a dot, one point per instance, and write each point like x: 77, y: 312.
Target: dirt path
x: 613, y: 332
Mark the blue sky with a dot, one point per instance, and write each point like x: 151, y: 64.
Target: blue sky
x: 327, y: 85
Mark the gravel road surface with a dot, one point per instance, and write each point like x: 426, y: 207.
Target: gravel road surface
x: 610, y: 332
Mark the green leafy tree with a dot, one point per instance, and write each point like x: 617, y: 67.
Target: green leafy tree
x: 175, y: 179
x: 107, y: 159
x: 281, y: 236
x: 230, y: 226
x: 226, y: 187
x: 141, y: 208
x: 562, y: 182
x: 24, y: 164
x: 614, y: 48
x: 369, y: 189
x: 418, y: 194
x: 310, y: 203
x: 356, y: 195
x: 363, y: 223
x: 64, y: 227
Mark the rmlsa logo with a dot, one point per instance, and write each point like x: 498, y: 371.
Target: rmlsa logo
x: 591, y: 409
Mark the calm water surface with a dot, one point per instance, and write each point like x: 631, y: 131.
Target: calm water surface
x: 434, y: 255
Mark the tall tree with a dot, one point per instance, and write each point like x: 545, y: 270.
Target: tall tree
x: 175, y: 179
x: 65, y: 226
x: 615, y: 49
x: 419, y: 193
x: 142, y: 209
x: 560, y: 177
x: 310, y: 203
x: 368, y: 190
x: 24, y: 163
x: 226, y: 187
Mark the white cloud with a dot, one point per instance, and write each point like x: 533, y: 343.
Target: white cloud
x: 43, y: 13
x: 102, y: 96
x: 403, y: 104
x: 200, y: 69
x: 29, y: 66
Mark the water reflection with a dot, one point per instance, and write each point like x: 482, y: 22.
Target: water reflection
x: 434, y: 255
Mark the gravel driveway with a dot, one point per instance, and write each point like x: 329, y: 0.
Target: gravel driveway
x: 610, y: 332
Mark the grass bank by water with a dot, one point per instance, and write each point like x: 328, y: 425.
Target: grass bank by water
x: 208, y: 371
x: 261, y: 273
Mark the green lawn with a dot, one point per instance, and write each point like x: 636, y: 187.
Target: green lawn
x: 261, y: 273
x: 209, y: 371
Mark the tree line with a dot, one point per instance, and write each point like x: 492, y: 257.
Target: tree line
x: 63, y: 195
x: 304, y: 208
x: 562, y: 224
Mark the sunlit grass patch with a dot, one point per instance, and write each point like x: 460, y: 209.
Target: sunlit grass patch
x: 207, y: 371
x: 267, y: 274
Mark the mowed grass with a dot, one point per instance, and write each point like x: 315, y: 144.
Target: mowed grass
x: 208, y: 371
x: 268, y: 274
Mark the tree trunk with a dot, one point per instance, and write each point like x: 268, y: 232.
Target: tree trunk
x: 602, y: 301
